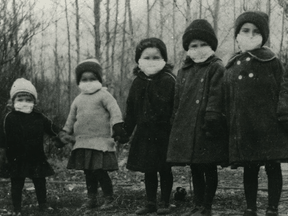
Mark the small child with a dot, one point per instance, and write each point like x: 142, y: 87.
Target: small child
x: 91, y: 115
x: 256, y: 96
x: 21, y: 137
x: 197, y: 136
x: 149, y: 109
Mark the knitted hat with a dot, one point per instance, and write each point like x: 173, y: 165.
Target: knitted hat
x: 200, y: 29
x: 22, y: 85
x: 258, y: 18
x: 151, y: 42
x: 89, y: 65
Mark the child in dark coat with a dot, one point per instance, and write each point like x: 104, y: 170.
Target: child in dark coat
x: 256, y: 95
x: 149, y: 109
x: 21, y: 136
x: 89, y: 122
x: 197, y: 136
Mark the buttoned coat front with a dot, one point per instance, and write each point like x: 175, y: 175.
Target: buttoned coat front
x: 197, y: 92
x: 256, y: 98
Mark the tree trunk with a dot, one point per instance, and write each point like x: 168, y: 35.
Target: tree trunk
x: 188, y: 12
x: 200, y: 10
x: 283, y: 29
x: 69, y: 54
x: 97, y: 28
x: 148, y: 20
x: 77, y: 32
x: 268, y: 10
x: 15, y: 28
x: 115, y: 36
x: 56, y: 66
x: 130, y: 24
x: 162, y: 21
x: 174, y: 29
x: 216, y: 15
x: 108, y: 74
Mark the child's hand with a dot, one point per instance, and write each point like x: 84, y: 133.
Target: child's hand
x: 66, y: 138
x: 119, y: 134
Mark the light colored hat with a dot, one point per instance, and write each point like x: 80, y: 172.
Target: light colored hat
x: 22, y: 85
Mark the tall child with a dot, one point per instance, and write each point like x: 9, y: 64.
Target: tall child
x: 149, y: 108
x: 91, y: 116
x: 256, y: 95
x: 21, y: 136
x: 197, y: 136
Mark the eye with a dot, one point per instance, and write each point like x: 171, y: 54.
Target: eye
x: 245, y: 30
x: 156, y: 57
x: 256, y: 31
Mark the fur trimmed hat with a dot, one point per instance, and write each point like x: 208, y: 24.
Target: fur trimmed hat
x: 88, y: 65
x: 200, y: 29
x: 151, y: 42
x: 22, y: 85
x: 258, y: 18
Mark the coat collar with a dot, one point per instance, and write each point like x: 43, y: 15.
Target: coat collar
x: 189, y: 63
x: 263, y: 54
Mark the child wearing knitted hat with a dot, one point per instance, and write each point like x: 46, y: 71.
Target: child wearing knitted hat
x: 198, y: 132
x: 148, y: 111
x: 21, y: 137
x: 88, y: 125
x: 256, y: 97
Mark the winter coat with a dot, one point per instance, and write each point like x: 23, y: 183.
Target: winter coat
x: 90, y: 119
x: 256, y: 98
x: 198, y: 94
x: 149, y: 109
x: 22, y: 136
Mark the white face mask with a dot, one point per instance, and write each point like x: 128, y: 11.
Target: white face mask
x: 247, y: 43
x: 151, y: 67
x: 90, y: 87
x: 25, y: 107
x: 200, y: 54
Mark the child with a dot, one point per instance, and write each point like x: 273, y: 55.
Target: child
x: 197, y: 137
x: 256, y: 106
x: 21, y: 136
x: 149, y: 108
x: 91, y: 115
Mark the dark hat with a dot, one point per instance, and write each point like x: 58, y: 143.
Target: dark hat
x: 200, y: 29
x: 258, y: 18
x: 89, y: 65
x: 151, y: 42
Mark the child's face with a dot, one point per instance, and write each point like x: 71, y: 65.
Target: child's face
x: 197, y: 44
x: 151, y: 53
x: 249, y: 30
x: 20, y: 97
x: 88, y: 77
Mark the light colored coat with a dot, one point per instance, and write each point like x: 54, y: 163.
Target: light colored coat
x: 91, y: 118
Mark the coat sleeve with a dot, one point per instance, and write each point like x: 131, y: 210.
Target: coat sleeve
x: 176, y: 95
x: 71, y: 119
x: 215, y: 101
x: 49, y: 127
x: 111, y: 105
x: 2, y: 134
x: 130, y: 117
x: 282, y: 108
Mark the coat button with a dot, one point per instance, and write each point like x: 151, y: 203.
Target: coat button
x: 251, y: 75
x: 183, y: 80
x: 197, y: 101
x: 248, y: 59
x: 202, y: 80
x: 240, y: 77
x: 238, y: 62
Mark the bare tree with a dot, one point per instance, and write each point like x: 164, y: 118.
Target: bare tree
x: 77, y: 32
x: 69, y: 53
x: 162, y: 21
x: 115, y: 36
x: 216, y: 15
x: 108, y: 74
x: 174, y: 29
x: 97, y: 28
x: 188, y: 12
x: 268, y: 10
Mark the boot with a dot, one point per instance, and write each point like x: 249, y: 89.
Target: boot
x: 91, y: 202
x: 250, y: 212
x: 108, y: 203
x: 163, y: 208
x: 148, y: 208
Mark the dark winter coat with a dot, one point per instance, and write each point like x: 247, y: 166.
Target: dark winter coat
x: 256, y: 97
x: 149, y: 109
x: 198, y: 96
x: 22, y: 136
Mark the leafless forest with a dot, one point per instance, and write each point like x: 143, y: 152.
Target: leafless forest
x: 43, y: 40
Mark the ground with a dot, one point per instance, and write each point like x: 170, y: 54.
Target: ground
x: 67, y: 192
